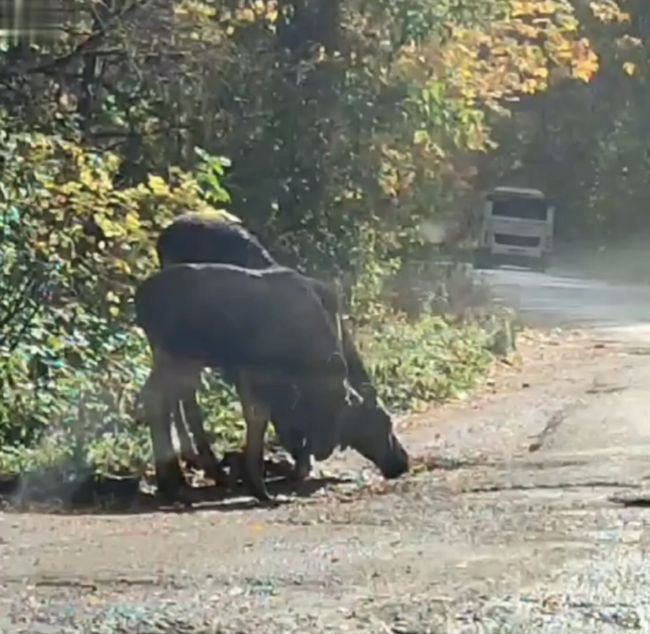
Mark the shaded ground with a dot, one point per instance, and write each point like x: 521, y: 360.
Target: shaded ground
x: 506, y: 525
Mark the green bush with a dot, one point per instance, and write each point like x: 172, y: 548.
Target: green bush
x: 429, y: 360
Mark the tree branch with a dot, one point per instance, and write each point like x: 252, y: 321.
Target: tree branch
x: 81, y: 48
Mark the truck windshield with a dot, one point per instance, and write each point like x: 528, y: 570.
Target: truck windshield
x: 524, y: 208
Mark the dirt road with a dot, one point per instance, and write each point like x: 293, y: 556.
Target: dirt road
x: 508, y: 527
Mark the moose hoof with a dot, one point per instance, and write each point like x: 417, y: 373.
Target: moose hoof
x: 261, y: 495
x: 257, y: 487
x: 301, y: 469
x: 172, y: 488
x: 269, y: 503
x: 192, y: 461
x: 235, y: 462
x: 179, y: 495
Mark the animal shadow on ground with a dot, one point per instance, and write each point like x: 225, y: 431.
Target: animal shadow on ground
x: 83, y: 493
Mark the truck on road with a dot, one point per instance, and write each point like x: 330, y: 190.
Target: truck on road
x: 516, y: 228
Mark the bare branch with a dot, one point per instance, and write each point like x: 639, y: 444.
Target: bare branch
x: 81, y: 48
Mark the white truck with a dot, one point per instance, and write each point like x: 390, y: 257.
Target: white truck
x: 516, y: 228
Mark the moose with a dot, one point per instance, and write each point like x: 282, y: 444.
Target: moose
x: 269, y: 333
x: 201, y: 237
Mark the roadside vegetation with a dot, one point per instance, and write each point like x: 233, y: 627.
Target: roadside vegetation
x: 353, y: 137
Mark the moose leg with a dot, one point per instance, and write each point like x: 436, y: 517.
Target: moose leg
x: 157, y: 410
x: 302, y: 463
x: 256, y: 415
x: 206, y: 458
x: 296, y: 444
x: 188, y: 453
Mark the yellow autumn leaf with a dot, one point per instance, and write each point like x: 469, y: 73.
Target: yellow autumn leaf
x: 540, y: 73
x: 608, y: 11
x: 246, y: 15
x: 420, y: 137
x: 108, y: 227
x: 157, y: 185
x: 70, y: 187
x: 86, y: 177
x: 210, y: 213
x: 272, y: 16
x: 586, y: 64
x: 132, y: 222
x: 629, y: 68
x: 113, y: 161
x: 123, y: 267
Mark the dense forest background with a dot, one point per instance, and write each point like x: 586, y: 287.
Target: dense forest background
x: 350, y: 135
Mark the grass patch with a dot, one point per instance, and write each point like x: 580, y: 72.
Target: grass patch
x: 430, y: 360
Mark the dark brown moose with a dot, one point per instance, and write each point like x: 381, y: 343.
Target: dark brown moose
x: 267, y: 330
x: 197, y: 237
